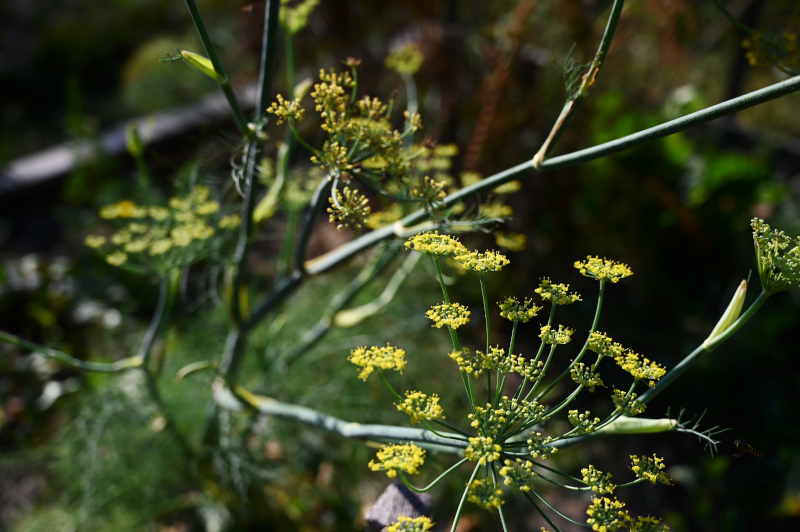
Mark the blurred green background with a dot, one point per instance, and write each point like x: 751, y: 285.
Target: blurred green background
x: 88, y: 453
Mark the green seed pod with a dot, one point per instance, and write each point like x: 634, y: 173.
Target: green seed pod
x: 203, y: 64
x: 731, y: 314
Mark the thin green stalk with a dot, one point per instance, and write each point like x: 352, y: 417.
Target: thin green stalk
x: 441, y: 435
x: 347, y: 429
x: 499, y: 508
x: 485, y: 298
x: 310, y: 338
x: 585, y: 525
x: 146, y: 346
x: 565, y: 402
x: 269, y: 51
x: 544, y: 371
x: 502, y: 384
x: 572, y: 104
x: 551, y: 523
x: 565, y: 486
x: 314, y: 208
x: 453, y: 428
x: 671, y: 127
x: 695, y: 355
x: 521, y: 388
x: 432, y: 484
x: 463, y: 498
x: 102, y: 367
x: 389, y: 386
x: 585, y: 345
x: 284, y: 265
x: 227, y: 90
x: 245, y: 232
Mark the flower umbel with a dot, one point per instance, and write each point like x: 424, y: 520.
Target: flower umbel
x: 778, y: 258
x: 585, y: 376
x: 651, y: 469
x: 518, y: 474
x: 514, y: 310
x: 606, y: 515
x: 407, y: 524
x: 648, y: 524
x: 557, y: 294
x: 556, y: 337
x: 418, y: 406
x: 485, y: 494
x: 627, y: 403
x: 483, y: 450
x: 452, y: 315
x: 377, y: 358
x: 393, y: 458
x: 603, y: 269
x: 582, y: 422
x: 600, y: 483
x: 640, y: 368
x: 490, y: 261
x: 435, y: 244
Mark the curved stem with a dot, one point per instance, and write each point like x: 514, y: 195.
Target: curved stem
x: 585, y: 525
x: 432, y: 484
x: 551, y: 523
x: 442, y: 435
x: 102, y: 367
x: 389, y: 386
x: 451, y: 427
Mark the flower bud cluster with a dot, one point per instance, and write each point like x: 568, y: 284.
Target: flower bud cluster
x: 418, y: 406
x: 518, y: 474
x: 599, y: 481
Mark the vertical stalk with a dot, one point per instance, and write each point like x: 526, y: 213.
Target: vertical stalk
x: 485, y: 298
x: 233, y: 101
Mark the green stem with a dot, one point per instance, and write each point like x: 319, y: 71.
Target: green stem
x: 697, y: 354
x: 453, y: 428
x: 227, y: 90
x: 146, y: 346
x: 463, y: 498
x: 432, y: 484
x: 441, y: 435
x: 708, y: 114
x: 551, y: 523
x: 102, y: 367
x: 389, y: 386
x: 312, y: 336
x: 485, y: 298
x: 499, y: 508
x: 572, y: 105
x: 585, y: 525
